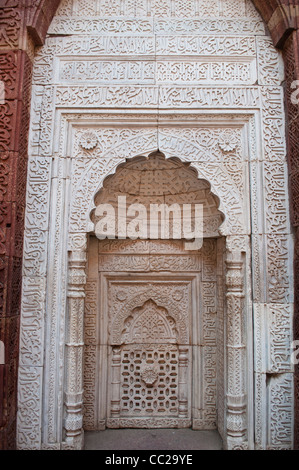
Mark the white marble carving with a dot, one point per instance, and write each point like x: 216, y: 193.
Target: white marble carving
x: 201, y: 81
x: 149, y: 336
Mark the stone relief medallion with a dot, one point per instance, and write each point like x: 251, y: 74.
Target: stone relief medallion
x: 228, y: 141
x: 89, y: 141
x: 149, y: 374
x: 121, y: 295
x: 178, y: 295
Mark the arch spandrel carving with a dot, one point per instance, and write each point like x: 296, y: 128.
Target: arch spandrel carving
x: 149, y: 324
x: 127, y: 299
x: 223, y: 185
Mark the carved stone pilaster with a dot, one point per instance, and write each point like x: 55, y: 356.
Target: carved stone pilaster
x: 236, y: 396
x: 115, y: 382
x: 73, y: 398
x: 183, y: 382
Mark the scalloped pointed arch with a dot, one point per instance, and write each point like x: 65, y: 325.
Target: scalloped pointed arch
x: 155, y: 179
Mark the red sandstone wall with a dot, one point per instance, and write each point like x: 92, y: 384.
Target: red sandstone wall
x: 15, y: 72
x: 17, y: 19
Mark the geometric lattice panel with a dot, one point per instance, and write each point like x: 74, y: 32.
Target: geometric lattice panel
x: 149, y: 381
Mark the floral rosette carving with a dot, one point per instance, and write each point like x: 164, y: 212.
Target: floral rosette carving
x: 149, y: 375
x: 228, y: 141
x: 178, y: 295
x: 89, y: 141
x: 122, y: 295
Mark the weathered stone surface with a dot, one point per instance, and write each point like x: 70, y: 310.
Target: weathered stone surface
x: 238, y: 38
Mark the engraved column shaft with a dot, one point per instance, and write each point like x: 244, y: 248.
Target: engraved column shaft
x: 183, y: 381
x: 74, y: 348
x: 115, y: 382
x: 236, y: 397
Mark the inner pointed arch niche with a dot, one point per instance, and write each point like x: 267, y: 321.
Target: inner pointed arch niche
x: 154, y: 316
x: 149, y: 323
x: 157, y: 180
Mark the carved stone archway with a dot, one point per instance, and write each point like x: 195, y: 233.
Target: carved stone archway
x: 156, y: 275
x: 235, y: 433
x: 65, y: 174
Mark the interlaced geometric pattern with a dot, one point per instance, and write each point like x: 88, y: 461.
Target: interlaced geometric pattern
x: 149, y: 323
x: 149, y: 381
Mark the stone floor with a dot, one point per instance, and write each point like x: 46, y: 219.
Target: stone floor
x: 152, y: 439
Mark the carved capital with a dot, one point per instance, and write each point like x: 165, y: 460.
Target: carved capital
x: 77, y: 274
x: 234, y: 276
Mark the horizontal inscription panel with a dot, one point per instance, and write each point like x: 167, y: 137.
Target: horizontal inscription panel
x: 117, y: 25
x: 151, y: 72
x: 118, y: 263
x: 205, y: 45
x: 152, y: 45
x: 153, y: 96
